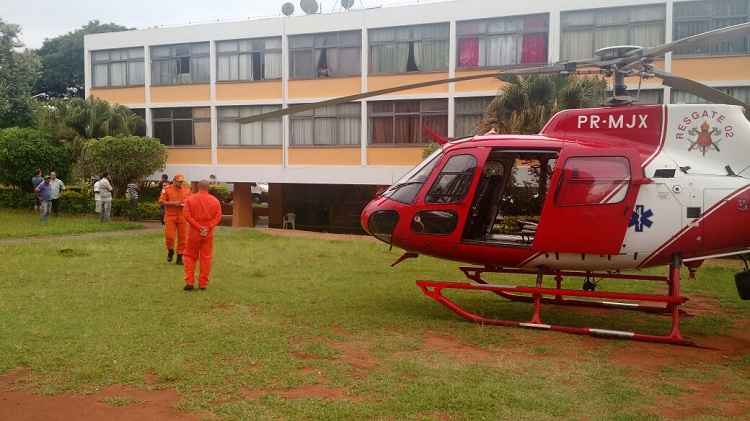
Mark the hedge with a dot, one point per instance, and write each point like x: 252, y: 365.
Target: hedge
x: 75, y: 203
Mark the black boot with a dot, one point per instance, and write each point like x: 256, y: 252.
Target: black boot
x: 179, y: 259
x: 170, y: 255
x: 188, y: 288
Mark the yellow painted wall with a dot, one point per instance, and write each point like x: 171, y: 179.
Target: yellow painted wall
x: 394, y: 156
x: 328, y: 87
x: 269, y: 89
x: 135, y: 95
x: 713, y: 68
x: 250, y: 156
x: 490, y: 84
x: 188, y: 156
x: 324, y: 156
x: 180, y: 93
x: 381, y: 82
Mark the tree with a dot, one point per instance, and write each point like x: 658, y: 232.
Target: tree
x: 23, y: 150
x: 62, y: 60
x: 18, y: 73
x: 527, y: 103
x: 89, y: 118
x: 126, y: 158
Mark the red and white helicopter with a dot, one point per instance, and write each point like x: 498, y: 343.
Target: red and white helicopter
x: 605, y: 190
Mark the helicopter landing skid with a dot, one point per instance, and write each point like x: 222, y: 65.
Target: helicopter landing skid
x: 539, y: 295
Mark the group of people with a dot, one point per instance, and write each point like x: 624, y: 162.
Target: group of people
x: 189, y: 221
x: 48, y: 190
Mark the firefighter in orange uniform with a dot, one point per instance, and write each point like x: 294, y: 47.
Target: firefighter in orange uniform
x: 203, y: 213
x: 173, y: 198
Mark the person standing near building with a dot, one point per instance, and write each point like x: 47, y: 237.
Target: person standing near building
x: 203, y: 213
x: 35, y: 180
x: 97, y: 194
x: 163, y: 184
x: 173, y: 198
x: 132, y: 195
x: 44, y: 193
x: 57, y: 187
x: 105, y: 197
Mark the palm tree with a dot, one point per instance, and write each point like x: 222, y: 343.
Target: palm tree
x: 527, y: 103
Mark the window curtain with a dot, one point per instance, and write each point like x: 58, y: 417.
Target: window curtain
x: 438, y: 124
x: 381, y: 130
x: 225, y: 66
x: 117, y: 74
x: 534, y: 49
x: 605, y: 37
x: 466, y: 125
x: 302, y: 131
x: 325, y: 131
x: 407, y: 129
x: 501, y: 50
x: 136, y: 73
x: 272, y: 132
x: 229, y: 133
x: 431, y: 55
x: 272, y: 65
x: 245, y: 65
x: 199, y: 69
x: 349, y: 61
x: 647, y: 35
x: 468, y: 52
x: 390, y: 58
x: 576, y: 45
x: 100, y: 75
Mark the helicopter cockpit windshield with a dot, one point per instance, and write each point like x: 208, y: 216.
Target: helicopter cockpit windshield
x: 405, y: 189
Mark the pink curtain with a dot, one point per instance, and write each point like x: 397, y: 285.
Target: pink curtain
x: 468, y: 52
x: 535, y: 45
x: 534, y: 49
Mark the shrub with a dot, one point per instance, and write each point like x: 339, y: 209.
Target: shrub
x: 16, y: 199
x: 23, y: 150
x: 126, y: 158
x: 220, y: 192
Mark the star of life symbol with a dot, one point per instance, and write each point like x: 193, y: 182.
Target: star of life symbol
x: 703, y: 139
x: 641, y: 218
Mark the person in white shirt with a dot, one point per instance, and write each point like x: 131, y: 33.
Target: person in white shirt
x: 97, y: 198
x: 105, y: 196
x: 56, y: 189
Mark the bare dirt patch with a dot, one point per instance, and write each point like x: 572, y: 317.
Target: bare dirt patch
x: 136, y: 404
x: 704, y: 399
x: 710, y: 350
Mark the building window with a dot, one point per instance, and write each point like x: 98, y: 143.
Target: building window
x: 325, y: 55
x: 139, y: 126
x: 250, y: 59
x: 180, y: 64
x: 403, y: 122
x: 115, y: 68
x: 259, y: 133
x: 469, y: 113
x: 182, y: 126
x: 681, y: 97
x: 695, y: 17
x: 333, y: 125
x: 503, y: 41
x: 584, y: 32
x: 409, y: 49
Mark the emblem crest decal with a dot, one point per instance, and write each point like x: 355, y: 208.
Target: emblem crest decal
x: 704, y: 131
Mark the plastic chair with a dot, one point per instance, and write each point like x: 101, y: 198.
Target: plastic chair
x: 289, y: 219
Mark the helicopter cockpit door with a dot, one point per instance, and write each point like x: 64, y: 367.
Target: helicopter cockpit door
x: 590, y: 203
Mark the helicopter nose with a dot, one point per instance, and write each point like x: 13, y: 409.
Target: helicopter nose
x: 379, y: 222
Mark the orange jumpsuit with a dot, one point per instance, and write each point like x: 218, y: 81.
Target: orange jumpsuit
x: 201, y: 210
x: 174, y: 220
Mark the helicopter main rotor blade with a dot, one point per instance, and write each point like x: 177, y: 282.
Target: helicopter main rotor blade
x: 722, y: 34
x: 696, y: 88
x: 356, y: 97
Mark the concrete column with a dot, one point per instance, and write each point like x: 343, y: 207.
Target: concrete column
x: 668, y: 30
x: 214, y: 114
x: 242, y: 212
x: 452, y: 54
x: 275, y: 205
x: 364, y: 65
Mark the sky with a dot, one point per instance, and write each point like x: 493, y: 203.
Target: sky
x: 40, y: 19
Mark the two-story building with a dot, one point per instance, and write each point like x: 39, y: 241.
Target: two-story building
x: 191, y: 82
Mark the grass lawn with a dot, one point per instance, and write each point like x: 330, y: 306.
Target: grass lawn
x: 18, y: 224
x: 301, y: 328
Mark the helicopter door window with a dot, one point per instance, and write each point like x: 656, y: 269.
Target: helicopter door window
x: 593, y: 180
x: 405, y: 190
x: 453, y: 182
x: 510, y: 197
